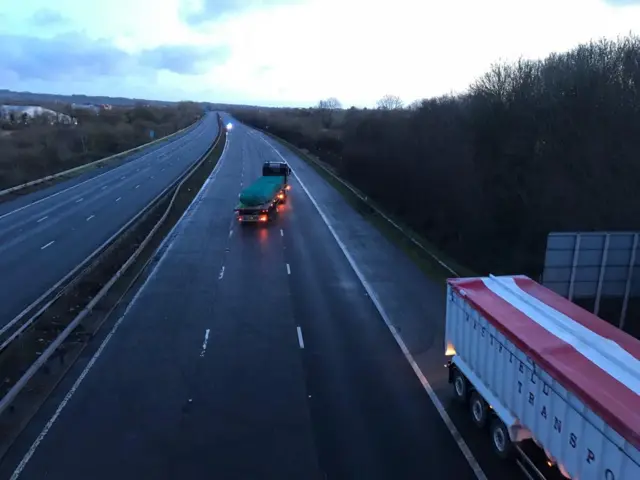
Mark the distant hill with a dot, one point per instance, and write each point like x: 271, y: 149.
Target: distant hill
x: 81, y: 99
x: 31, y: 97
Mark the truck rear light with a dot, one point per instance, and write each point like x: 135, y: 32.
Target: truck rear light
x: 288, y: 187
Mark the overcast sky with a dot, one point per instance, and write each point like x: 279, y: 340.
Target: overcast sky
x: 286, y: 52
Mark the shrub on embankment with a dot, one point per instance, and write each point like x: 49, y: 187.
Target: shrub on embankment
x: 531, y: 147
x: 36, y: 148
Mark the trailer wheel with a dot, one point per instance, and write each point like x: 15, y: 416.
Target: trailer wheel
x: 460, y: 387
x: 500, y: 439
x: 479, y: 410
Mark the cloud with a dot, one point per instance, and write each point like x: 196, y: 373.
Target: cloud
x: 183, y: 59
x: 622, y: 3
x: 287, y: 52
x: 212, y: 10
x: 65, y: 56
x: 47, y: 17
x: 75, y: 56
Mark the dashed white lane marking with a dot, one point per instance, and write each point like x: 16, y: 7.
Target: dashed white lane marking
x: 464, y: 448
x: 300, y: 339
x: 105, y: 187
x: 47, y: 245
x: 27, y: 457
x: 118, y: 199
x: 43, y: 218
x: 79, y: 200
x: 221, y: 273
x: 288, y: 269
x: 122, y: 177
x: 281, y: 233
x: 137, y: 186
x: 152, y: 177
x: 92, y: 179
x: 90, y: 217
x: 204, y: 344
x: 230, y: 233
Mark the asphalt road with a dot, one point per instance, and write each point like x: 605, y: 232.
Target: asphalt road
x: 250, y: 353
x: 44, y: 235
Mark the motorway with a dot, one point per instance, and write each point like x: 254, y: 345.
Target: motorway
x: 44, y: 235
x: 259, y: 353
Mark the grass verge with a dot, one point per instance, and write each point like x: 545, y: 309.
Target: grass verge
x: 28, y: 347
x: 424, y: 255
x: 107, y: 163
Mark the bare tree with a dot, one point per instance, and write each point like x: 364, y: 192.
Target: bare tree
x: 331, y: 103
x: 45, y: 145
x: 390, y: 102
x: 327, y: 108
x: 531, y: 147
x: 415, y: 105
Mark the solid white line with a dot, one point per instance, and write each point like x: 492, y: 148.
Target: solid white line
x: 52, y: 420
x: 524, y: 470
x: 50, y: 196
x: 89, y: 180
x: 118, y: 199
x: 221, y: 273
x: 281, y: 233
x: 90, y: 217
x: 43, y: 218
x: 473, y: 463
x: 168, y: 239
x: 300, y: 339
x: 204, y: 344
x: 79, y: 200
x: 47, y: 245
x: 288, y: 269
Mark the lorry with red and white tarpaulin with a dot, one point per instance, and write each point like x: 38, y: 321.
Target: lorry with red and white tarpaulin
x: 534, y: 367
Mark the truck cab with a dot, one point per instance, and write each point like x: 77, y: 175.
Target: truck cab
x: 280, y: 169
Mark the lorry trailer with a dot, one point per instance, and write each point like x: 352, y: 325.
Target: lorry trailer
x: 259, y: 201
x: 532, y: 366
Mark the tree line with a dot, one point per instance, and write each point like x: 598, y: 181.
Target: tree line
x: 531, y: 147
x: 38, y: 148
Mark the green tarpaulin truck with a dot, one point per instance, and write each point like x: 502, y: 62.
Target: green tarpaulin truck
x: 259, y: 201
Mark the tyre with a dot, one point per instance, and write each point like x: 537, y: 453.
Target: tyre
x: 500, y: 440
x: 460, y: 387
x: 479, y: 410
